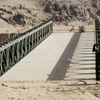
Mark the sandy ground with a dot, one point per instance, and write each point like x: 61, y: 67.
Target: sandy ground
x: 51, y: 90
x: 47, y: 90
x: 57, y: 27
x: 66, y: 27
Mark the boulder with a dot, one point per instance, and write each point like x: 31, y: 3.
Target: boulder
x: 64, y: 7
x: 57, y: 18
x: 69, y: 11
x: 98, y: 12
x: 48, y: 8
x: 94, y: 5
x: 95, y: 1
x: 56, y: 7
x: 21, y: 7
x: 72, y: 10
x: 14, y: 8
x: 17, y: 18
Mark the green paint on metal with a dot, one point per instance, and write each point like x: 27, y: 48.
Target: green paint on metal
x: 13, y: 50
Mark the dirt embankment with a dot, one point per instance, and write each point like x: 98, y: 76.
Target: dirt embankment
x: 27, y: 14
x: 72, y: 10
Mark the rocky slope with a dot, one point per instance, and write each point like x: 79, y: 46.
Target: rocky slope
x: 28, y: 13
x: 56, y: 10
x: 18, y: 12
x: 18, y: 15
x: 72, y: 10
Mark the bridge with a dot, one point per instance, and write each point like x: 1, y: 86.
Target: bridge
x: 40, y: 54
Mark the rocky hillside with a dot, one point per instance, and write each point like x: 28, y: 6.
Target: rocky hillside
x: 72, y: 10
x: 19, y: 12
x: 17, y: 16
x: 29, y: 12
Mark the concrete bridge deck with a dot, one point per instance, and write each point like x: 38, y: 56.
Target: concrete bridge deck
x: 49, y: 60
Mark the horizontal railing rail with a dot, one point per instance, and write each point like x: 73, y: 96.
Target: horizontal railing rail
x: 14, y: 49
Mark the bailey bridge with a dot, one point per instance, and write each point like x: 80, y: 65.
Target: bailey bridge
x: 40, y: 54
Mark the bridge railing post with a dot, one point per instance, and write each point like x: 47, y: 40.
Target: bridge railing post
x: 13, y: 50
x: 97, y: 49
x: 97, y: 54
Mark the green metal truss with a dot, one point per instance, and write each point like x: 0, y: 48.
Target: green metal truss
x: 14, y: 49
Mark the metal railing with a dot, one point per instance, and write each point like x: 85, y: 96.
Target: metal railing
x: 97, y: 48
x: 14, y: 49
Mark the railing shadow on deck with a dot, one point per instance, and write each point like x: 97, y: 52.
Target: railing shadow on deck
x: 60, y: 69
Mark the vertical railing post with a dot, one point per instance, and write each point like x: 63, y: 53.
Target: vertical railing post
x: 16, y: 48
x: 97, y: 49
x: 97, y: 54
x: 1, y: 67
